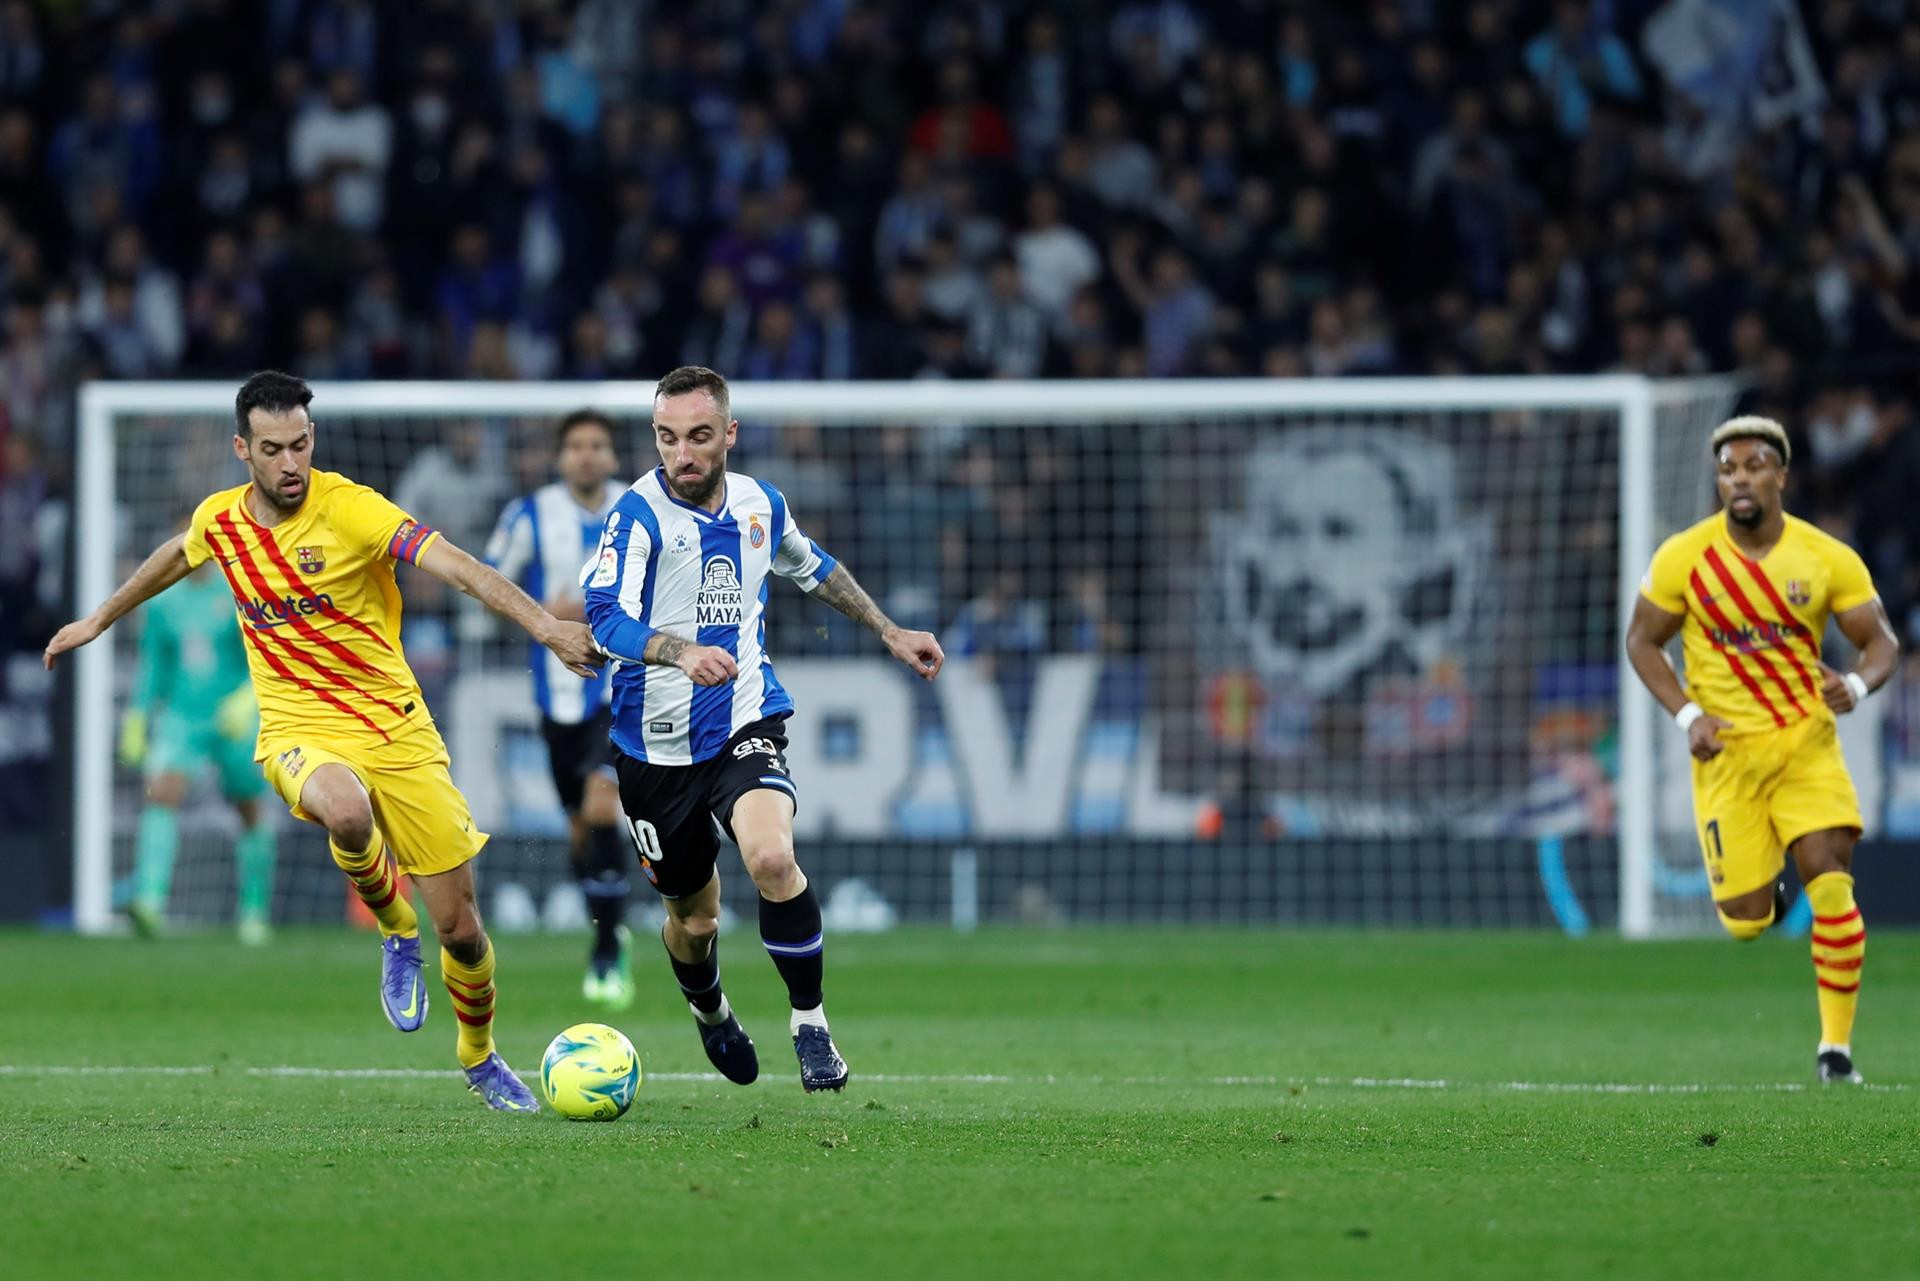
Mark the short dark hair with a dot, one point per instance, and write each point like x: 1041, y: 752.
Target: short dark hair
x: 272, y: 391
x: 691, y: 378
x: 584, y: 417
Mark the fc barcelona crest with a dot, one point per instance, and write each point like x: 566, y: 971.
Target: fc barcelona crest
x: 310, y: 558
x: 1798, y: 593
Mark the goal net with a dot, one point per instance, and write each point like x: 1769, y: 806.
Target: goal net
x: 1262, y: 651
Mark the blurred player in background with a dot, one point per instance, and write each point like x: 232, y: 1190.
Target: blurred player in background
x: 193, y: 712
x: 677, y: 596
x: 345, y: 735
x: 541, y: 543
x: 1750, y: 590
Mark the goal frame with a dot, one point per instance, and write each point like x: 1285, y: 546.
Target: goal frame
x: 1631, y: 397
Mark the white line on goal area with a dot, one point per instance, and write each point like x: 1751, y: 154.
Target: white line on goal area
x: 988, y: 1078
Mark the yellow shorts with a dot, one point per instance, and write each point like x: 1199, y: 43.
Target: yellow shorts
x: 1763, y: 793
x: 422, y: 814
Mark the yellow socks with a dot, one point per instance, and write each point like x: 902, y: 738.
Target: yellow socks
x: 374, y: 881
x: 1839, y: 950
x: 471, y: 987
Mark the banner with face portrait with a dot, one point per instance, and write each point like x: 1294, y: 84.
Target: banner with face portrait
x: 1403, y: 629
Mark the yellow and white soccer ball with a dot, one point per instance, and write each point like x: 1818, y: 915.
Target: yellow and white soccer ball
x: 590, y: 1073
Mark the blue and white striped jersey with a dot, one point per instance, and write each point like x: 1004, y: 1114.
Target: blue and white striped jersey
x: 664, y: 565
x: 542, y: 542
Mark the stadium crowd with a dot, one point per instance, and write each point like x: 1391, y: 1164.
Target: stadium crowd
x: 798, y: 189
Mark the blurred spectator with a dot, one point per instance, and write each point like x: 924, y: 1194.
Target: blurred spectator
x: 1008, y: 335
x: 782, y: 350
x: 950, y: 284
x: 1121, y: 169
x: 346, y: 141
x: 1055, y: 259
x: 834, y: 328
x: 478, y: 286
x: 456, y: 486
x: 961, y: 126
x: 909, y: 216
x: 717, y: 335
x: 1577, y: 60
x: 1176, y: 310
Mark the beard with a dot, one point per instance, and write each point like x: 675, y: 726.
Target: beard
x: 280, y: 500
x: 700, y: 491
x: 1755, y: 517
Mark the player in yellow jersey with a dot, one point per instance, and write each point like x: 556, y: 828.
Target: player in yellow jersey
x: 1750, y: 591
x: 345, y: 736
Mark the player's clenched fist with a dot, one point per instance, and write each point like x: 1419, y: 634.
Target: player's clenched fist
x: 918, y: 650
x: 707, y: 665
x: 1703, y: 737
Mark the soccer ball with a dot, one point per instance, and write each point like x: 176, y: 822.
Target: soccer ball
x: 590, y: 1073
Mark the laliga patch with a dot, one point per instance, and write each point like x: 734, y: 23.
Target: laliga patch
x: 608, y: 569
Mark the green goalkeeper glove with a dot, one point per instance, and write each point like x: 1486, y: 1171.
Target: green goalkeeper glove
x: 238, y: 716
x: 133, y: 737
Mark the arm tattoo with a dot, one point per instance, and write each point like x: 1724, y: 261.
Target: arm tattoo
x: 664, y: 650
x: 844, y: 594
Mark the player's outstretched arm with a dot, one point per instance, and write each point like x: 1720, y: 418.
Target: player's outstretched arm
x: 1647, y: 637
x: 167, y: 566
x: 1871, y: 632
x: 572, y: 642
x: 918, y: 650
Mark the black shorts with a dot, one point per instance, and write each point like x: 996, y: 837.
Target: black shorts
x: 576, y: 753
x: 673, y: 810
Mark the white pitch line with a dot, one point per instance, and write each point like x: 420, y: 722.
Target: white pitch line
x: 987, y: 1078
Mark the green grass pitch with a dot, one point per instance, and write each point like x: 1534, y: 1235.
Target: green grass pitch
x: 1186, y: 1103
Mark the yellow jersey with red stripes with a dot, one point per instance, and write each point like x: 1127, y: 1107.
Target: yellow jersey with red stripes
x: 1753, y: 627
x: 320, y: 611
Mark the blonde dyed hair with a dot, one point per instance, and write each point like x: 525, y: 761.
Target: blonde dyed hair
x: 1754, y: 427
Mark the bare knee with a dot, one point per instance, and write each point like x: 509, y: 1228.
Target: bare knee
x: 462, y: 934
x: 352, y: 829
x: 769, y: 861
x: 1747, y: 916
x: 700, y: 928
x: 335, y: 797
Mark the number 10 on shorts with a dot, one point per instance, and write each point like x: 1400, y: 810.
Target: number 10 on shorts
x: 646, y: 840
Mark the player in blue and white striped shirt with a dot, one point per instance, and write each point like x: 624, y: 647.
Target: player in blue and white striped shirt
x: 541, y: 542
x: 676, y: 596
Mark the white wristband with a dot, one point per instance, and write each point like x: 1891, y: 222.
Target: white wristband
x: 1858, y: 684
x: 1687, y: 715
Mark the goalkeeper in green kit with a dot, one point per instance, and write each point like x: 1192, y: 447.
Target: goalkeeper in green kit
x: 193, y: 711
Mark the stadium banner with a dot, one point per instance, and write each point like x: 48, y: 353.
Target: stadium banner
x: 1373, y: 597
x: 1041, y: 748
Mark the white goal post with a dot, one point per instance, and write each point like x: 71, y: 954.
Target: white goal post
x: 1622, y: 417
